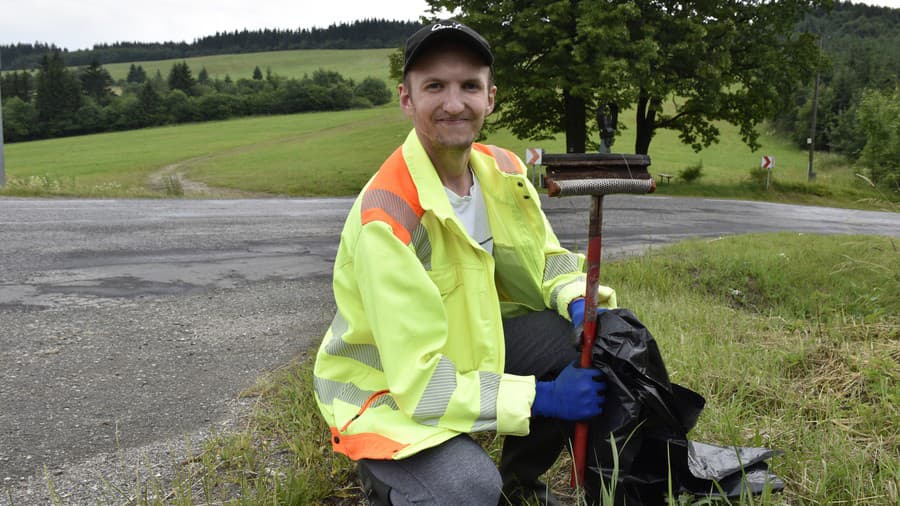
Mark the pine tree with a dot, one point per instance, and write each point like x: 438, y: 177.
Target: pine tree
x: 150, y: 104
x: 96, y: 82
x: 58, y: 94
x: 136, y: 74
x: 257, y: 74
x: 180, y: 78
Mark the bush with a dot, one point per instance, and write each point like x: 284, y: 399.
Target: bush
x: 374, y: 90
x: 758, y: 176
x: 691, y: 173
x: 19, y: 120
x: 360, y: 103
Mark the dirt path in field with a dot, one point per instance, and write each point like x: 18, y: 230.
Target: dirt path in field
x: 158, y: 180
x: 172, y: 175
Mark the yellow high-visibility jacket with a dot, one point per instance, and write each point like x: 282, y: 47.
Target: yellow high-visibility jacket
x: 415, y: 353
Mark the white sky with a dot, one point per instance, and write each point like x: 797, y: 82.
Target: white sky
x: 79, y: 24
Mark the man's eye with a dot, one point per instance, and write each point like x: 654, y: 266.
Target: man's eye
x: 433, y: 86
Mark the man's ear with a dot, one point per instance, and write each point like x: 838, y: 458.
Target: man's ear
x: 405, y: 99
x: 492, y: 93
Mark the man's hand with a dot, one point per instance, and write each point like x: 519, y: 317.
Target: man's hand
x: 576, y: 394
x: 576, y: 313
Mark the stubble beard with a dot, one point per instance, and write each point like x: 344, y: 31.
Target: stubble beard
x: 453, y: 140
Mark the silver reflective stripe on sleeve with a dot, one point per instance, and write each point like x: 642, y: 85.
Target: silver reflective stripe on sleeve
x: 436, y: 397
x: 490, y: 387
x: 329, y: 390
x: 422, y: 245
x: 581, y: 280
x: 393, y: 205
x: 363, y: 353
x: 561, y: 264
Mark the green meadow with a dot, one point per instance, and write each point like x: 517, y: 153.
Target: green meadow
x: 334, y: 153
x: 354, y: 64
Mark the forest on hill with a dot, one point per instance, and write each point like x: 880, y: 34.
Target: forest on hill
x: 362, y: 34
x: 858, y: 84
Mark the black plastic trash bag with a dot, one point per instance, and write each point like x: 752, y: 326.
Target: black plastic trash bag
x: 647, y: 418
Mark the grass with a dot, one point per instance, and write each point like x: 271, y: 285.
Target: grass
x: 121, y: 163
x: 334, y: 153
x: 356, y: 64
x: 792, y: 339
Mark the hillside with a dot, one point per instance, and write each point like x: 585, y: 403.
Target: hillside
x: 356, y: 64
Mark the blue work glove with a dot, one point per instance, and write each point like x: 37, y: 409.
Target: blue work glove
x: 574, y: 395
x: 576, y: 313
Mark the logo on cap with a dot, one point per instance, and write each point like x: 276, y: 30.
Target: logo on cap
x: 439, y: 26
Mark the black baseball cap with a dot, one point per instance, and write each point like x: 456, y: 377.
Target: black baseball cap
x: 449, y: 29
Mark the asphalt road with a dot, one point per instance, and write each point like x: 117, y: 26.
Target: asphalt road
x: 124, y: 322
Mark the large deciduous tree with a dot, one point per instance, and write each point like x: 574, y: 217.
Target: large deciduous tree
x: 680, y: 65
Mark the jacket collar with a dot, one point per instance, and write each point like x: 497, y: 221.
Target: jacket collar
x: 432, y: 196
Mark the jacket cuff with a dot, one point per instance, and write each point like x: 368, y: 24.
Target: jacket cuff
x: 567, y: 294
x: 514, y: 407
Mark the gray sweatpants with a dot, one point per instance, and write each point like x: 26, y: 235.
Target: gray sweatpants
x: 459, y: 471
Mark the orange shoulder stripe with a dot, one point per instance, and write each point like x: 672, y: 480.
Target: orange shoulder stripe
x: 392, y: 197
x: 506, y: 161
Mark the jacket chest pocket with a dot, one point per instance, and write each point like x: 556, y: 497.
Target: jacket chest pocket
x: 446, y: 279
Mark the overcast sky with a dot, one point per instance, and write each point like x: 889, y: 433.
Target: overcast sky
x: 79, y: 24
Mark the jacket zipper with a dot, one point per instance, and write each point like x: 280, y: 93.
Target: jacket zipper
x: 364, y: 407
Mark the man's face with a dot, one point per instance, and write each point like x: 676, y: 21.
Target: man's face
x: 447, y: 93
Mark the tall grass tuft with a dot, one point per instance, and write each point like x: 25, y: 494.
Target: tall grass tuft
x: 173, y: 186
x: 691, y: 173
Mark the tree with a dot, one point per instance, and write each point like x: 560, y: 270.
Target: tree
x: 180, y: 78
x: 19, y: 120
x: 149, y: 105
x: 136, y: 74
x: 159, y: 84
x: 58, y: 95
x: 257, y: 74
x: 17, y: 84
x: 203, y: 76
x: 879, y: 118
x: 678, y: 65
x: 96, y: 82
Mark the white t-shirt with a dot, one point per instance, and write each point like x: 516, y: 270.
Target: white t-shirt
x: 472, y: 212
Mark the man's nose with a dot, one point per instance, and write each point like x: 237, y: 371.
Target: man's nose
x: 453, y: 103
